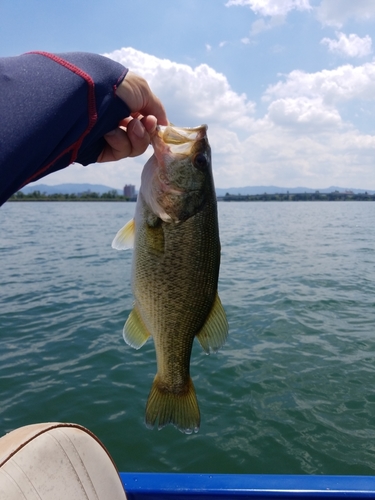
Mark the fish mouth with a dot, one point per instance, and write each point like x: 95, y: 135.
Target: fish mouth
x: 180, y: 140
x: 181, y: 135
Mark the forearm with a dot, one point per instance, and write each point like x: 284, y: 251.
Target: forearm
x: 54, y: 110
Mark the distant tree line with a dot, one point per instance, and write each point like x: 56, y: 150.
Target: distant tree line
x: 86, y: 196
x: 114, y: 196
x: 316, y: 196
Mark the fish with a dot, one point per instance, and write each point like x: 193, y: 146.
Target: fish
x: 175, y: 270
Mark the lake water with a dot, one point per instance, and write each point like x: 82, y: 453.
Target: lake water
x: 293, y: 389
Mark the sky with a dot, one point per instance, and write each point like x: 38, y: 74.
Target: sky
x: 286, y: 87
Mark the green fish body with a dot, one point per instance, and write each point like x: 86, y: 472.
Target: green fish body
x: 175, y: 270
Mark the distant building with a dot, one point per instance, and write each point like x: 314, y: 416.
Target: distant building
x: 129, y: 190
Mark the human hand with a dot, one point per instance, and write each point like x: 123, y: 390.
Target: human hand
x: 132, y: 136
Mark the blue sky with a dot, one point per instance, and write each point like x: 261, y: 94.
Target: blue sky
x: 287, y: 87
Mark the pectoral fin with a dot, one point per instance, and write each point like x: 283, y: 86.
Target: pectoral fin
x: 215, y: 330
x: 135, y: 333
x: 124, y: 239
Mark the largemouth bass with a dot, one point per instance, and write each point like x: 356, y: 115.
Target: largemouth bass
x: 175, y: 270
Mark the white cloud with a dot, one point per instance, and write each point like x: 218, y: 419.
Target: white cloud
x: 343, y: 83
x: 304, y: 114
x: 192, y: 94
x: 350, y: 46
x: 300, y: 140
x: 305, y: 136
x: 275, y: 11
x: 336, y: 13
x: 272, y: 7
x: 261, y: 25
x: 279, y: 156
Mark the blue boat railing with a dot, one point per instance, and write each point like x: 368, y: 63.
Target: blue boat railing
x: 170, y: 486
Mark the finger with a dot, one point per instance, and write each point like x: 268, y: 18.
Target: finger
x: 125, y: 121
x: 130, y: 139
x: 139, y: 136
x: 150, y: 123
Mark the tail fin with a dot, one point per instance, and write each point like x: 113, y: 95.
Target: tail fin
x: 180, y: 409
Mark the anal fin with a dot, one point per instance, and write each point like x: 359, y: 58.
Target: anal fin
x: 214, y: 332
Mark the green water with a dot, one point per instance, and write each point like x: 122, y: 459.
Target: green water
x: 293, y: 389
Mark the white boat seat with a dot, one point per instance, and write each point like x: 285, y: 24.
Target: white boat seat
x: 56, y: 461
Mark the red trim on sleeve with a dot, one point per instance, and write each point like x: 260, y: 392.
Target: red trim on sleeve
x: 91, y: 105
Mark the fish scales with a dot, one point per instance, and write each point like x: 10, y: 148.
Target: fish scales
x: 176, y: 297
x: 175, y: 271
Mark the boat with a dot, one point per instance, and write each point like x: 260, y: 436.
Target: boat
x: 59, y: 461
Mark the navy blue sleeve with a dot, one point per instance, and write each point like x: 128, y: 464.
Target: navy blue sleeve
x: 54, y: 110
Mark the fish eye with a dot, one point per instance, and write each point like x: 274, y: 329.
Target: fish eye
x: 200, y: 161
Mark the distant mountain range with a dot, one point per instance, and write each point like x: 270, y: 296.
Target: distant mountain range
x: 69, y: 188
x: 100, y: 188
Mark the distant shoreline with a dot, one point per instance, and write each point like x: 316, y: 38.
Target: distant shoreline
x: 86, y: 196
x: 334, y: 196
x: 78, y: 200
x: 114, y: 197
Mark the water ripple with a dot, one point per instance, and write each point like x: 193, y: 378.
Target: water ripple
x: 290, y: 392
